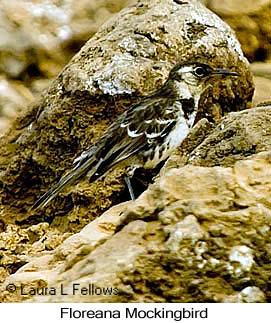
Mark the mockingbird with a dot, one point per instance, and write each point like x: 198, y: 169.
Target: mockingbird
x: 146, y: 133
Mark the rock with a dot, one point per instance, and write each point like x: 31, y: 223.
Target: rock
x: 235, y: 137
x: 262, y: 80
x: 38, y: 38
x: 14, y: 97
x: 261, y: 69
x: 198, y: 234
x: 250, y: 294
x: 262, y: 90
x: 130, y: 56
x: 231, y: 7
x: 250, y: 22
x: 41, y: 36
x: 72, y: 249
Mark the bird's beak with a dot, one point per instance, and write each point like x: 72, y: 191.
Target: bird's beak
x: 225, y: 72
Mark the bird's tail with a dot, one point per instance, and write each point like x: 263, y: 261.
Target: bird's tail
x: 81, y: 169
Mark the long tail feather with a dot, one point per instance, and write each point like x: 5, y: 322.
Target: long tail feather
x: 77, y: 172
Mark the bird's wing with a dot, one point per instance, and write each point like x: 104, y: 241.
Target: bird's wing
x: 142, y: 125
x: 138, y: 128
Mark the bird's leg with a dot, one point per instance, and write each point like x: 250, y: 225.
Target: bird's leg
x: 129, y: 185
x: 127, y: 178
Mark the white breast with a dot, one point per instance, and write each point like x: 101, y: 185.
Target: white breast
x: 181, y: 129
x: 178, y: 133
x: 172, y: 141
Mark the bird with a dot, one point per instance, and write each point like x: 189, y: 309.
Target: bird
x: 146, y: 133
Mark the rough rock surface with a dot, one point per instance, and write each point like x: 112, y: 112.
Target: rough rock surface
x: 236, y: 136
x: 30, y: 57
x: 37, y: 39
x: 130, y: 56
x: 42, y: 35
x: 251, y: 22
x: 200, y: 233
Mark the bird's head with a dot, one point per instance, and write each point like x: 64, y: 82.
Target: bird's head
x: 196, y: 74
x: 189, y: 81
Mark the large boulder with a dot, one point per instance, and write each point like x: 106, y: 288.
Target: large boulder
x: 200, y: 233
x: 37, y: 39
x: 129, y: 57
x: 251, y: 22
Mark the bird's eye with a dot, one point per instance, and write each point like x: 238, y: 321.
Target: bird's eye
x: 200, y: 71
